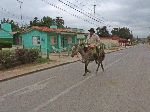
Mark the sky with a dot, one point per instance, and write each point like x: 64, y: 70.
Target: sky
x: 134, y: 14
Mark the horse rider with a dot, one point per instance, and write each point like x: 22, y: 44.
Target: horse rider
x: 92, y: 42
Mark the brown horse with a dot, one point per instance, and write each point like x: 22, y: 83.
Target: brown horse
x: 89, y: 56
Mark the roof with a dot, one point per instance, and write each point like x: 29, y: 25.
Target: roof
x: 123, y: 40
x: 106, y: 38
x: 5, y: 34
x: 47, y: 29
x: 115, y: 38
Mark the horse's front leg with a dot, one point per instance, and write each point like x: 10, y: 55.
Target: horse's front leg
x: 98, y: 66
x: 86, y: 69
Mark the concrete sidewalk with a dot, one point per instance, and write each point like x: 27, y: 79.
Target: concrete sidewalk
x: 31, y: 68
x: 55, y: 61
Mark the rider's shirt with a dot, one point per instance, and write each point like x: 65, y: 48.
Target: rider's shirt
x: 93, y: 40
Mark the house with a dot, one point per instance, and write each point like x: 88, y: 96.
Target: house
x: 45, y: 38
x: 6, y: 32
x: 114, y: 41
x: 81, y: 36
x: 17, y: 40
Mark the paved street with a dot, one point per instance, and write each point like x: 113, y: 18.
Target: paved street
x: 123, y: 87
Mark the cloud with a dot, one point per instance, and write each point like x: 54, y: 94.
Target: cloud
x: 117, y: 13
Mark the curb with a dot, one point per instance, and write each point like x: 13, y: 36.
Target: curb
x: 21, y: 75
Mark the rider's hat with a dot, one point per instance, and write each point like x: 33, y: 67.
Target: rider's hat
x: 91, y: 30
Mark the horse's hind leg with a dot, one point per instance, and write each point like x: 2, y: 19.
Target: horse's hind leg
x: 88, y: 71
x: 102, y: 66
x: 98, y: 67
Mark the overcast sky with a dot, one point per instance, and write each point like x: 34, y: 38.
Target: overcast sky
x: 134, y: 14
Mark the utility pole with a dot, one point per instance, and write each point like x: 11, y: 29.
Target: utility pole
x: 20, y: 2
x: 94, y: 9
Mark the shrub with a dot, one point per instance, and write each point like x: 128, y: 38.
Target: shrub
x: 10, y: 59
x: 102, y: 45
x: 27, y: 55
x: 113, y: 45
x: 7, y: 59
x: 42, y: 60
x: 5, y: 44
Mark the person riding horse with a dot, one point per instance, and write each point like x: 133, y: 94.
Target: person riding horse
x: 92, y: 42
x: 91, y: 50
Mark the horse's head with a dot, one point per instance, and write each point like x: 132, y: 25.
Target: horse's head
x: 75, y: 50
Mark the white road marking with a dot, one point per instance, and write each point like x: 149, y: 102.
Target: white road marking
x: 33, y: 88
x: 71, y: 88
x: 26, y: 87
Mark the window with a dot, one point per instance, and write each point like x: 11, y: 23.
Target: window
x: 53, y: 40
x: 36, y: 40
x: 69, y: 40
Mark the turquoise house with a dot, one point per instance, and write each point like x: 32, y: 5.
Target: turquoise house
x: 6, y: 32
x: 81, y: 36
x: 45, y: 38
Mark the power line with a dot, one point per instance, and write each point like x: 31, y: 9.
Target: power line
x: 80, y: 11
x: 84, y: 12
x: 68, y: 12
x: 3, y: 10
x: 6, y: 11
x: 79, y: 5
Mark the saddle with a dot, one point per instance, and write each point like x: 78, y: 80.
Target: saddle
x: 92, y: 48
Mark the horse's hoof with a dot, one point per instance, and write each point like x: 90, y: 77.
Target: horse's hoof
x: 89, y: 71
x: 84, y: 74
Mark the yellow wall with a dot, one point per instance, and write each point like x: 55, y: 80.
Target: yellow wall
x: 110, y: 43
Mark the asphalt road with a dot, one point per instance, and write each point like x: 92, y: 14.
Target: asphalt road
x: 124, y: 86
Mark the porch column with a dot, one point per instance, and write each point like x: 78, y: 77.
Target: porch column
x: 59, y: 41
x: 75, y: 39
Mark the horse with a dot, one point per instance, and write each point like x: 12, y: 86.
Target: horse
x: 89, y: 56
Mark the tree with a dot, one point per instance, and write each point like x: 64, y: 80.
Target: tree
x: 148, y: 39
x: 35, y: 22
x: 46, y: 21
x: 59, y: 22
x: 103, y: 32
x: 122, y: 32
x: 14, y: 25
x: 115, y: 31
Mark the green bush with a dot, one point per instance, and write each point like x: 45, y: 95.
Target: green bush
x: 113, y: 45
x: 10, y: 59
x: 5, y: 44
x: 102, y: 45
x: 42, y: 60
x: 7, y: 59
x: 27, y: 55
